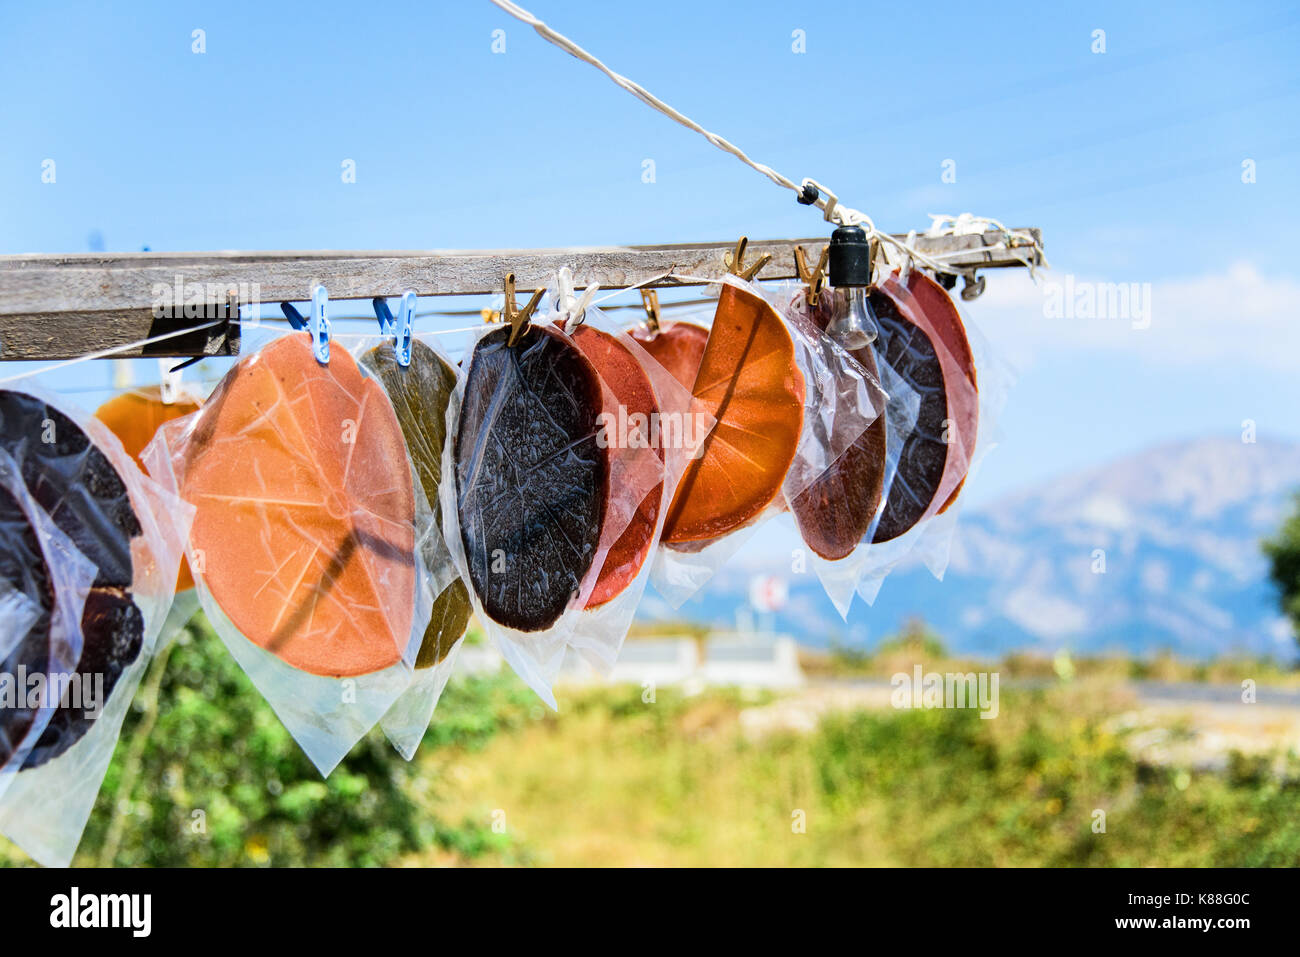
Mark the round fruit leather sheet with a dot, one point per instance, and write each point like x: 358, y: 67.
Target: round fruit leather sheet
x: 77, y: 485
x: 835, y: 511
x: 923, y: 340
x: 420, y: 393
x: 532, y: 483
x: 305, y: 510
x: 749, y: 382
x: 134, y: 417
x: 630, y: 388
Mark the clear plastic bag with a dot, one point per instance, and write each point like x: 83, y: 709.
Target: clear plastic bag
x: 837, y: 514
x: 840, y: 400
x: 18, y: 612
x: 305, y: 548
x: 670, y: 432
x: 931, y: 540
x: 931, y: 432
x: 841, y: 577
x: 423, y: 394
x: 184, y: 607
x: 134, y: 416
x: 44, y: 580
x: 82, y: 477
x: 534, y: 495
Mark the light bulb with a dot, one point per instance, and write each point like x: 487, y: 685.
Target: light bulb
x: 853, y: 323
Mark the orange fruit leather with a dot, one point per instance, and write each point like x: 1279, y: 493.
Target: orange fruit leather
x: 749, y: 382
x: 134, y: 417
x: 631, y: 389
x: 305, y: 510
x: 677, y: 346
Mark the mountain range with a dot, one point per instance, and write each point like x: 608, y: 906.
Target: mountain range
x: 1157, y: 550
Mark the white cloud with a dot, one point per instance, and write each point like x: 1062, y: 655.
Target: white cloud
x: 1105, y: 511
x: 1044, y: 615
x: 1155, y: 576
x: 1239, y: 315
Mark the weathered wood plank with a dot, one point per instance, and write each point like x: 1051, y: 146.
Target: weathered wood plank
x: 47, y: 336
x: 54, y: 305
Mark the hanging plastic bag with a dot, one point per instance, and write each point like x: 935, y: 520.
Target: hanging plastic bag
x: 135, y: 416
x: 131, y: 531
x: 44, y: 580
x: 930, y: 541
x: 837, y: 513
x: 660, y: 427
x: 677, y: 344
x: 18, y: 611
x: 929, y: 437
x: 304, y: 548
x: 534, y: 495
x: 422, y: 393
x: 775, y: 383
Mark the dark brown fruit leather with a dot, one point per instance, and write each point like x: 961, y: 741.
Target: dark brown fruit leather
x: 23, y: 569
x: 922, y: 339
x: 115, y: 621
x: 532, y: 483
x: 85, y: 497
x: 834, y: 513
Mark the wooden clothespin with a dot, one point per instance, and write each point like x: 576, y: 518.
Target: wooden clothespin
x: 736, y: 261
x: 879, y: 259
x: 814, y: 279
x: 650, y: 300
x: 518, y: 318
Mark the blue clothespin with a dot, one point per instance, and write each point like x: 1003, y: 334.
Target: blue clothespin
x: 384, y: 316
x: 401, y: 327
x: 318, y: 323
x: 295, y: 318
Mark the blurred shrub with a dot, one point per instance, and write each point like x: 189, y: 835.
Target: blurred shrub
x: 1283, y: 552
x: 219, y: 781
x: 1024, y: 789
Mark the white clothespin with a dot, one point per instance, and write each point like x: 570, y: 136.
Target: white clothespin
x: 564, y: 300
x: 568, y: 306
x: 122, y: 376
x: 169, y: 382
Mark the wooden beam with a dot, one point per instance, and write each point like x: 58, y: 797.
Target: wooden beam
x: 66, y: 335
x: 59, y: 306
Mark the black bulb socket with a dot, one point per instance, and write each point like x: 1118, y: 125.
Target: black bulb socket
x: 850, y: 257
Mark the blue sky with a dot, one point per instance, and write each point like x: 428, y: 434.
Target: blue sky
x: 1130, y: 161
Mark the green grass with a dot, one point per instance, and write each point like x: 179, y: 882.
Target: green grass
x: 676, y: 782
x: 206, y: 775
x: 615, y: 780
